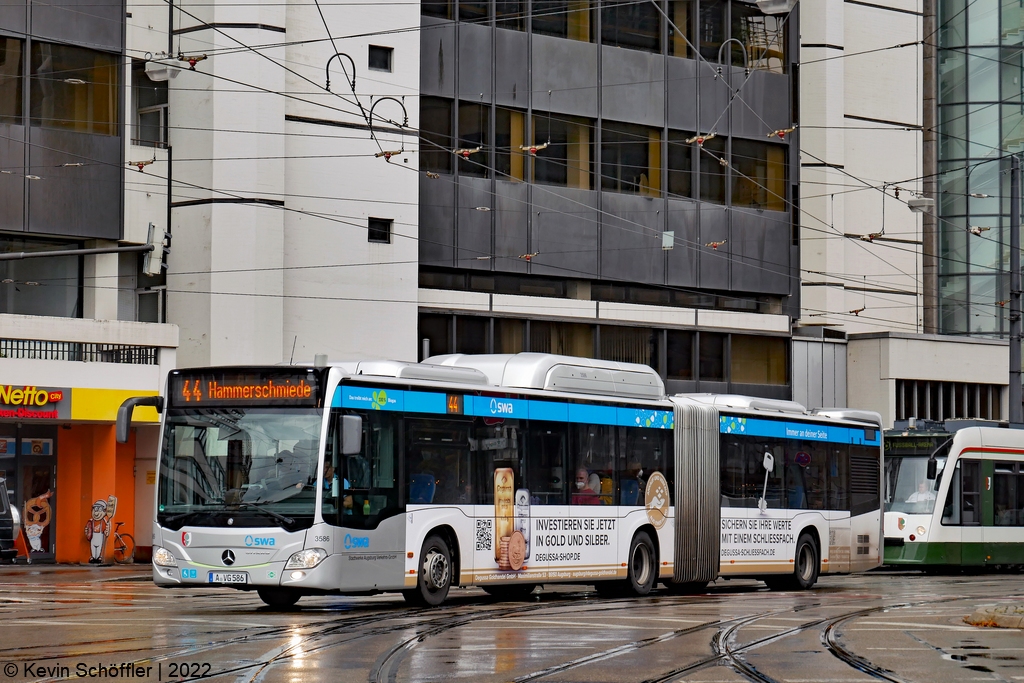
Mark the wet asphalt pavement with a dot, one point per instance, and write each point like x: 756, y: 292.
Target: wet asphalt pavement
x: 110, y: 623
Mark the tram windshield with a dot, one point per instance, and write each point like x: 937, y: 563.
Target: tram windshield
x: 256, y: 466
x: 907, y: 487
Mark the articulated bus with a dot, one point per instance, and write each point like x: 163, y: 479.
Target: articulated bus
x: 503, y: 472
x: 957, y: 499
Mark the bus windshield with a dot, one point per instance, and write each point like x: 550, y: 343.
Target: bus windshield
x: 907, y: 487
x: 256, y: 466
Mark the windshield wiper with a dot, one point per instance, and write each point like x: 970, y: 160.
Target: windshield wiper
x: 227, y: 506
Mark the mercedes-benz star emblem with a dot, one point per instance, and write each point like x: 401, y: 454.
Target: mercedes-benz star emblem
x: 227, y: 557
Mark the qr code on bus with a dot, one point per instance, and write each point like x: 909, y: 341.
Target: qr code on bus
x: 483, y: 534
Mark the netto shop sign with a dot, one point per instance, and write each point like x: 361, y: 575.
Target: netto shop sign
x: 34, y: 403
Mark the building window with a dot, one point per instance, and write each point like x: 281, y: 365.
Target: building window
x: 74, y: 89
x: 379, y: 230
x: 712, y: 171
x: 435, y: 335
x: 150, y: 101
x: 679, y: 355
x: 630, y: 345
x: 757, y: 360
x: 711, y: 28
x: 635, y: 25
x: 509, y: 138
x: 571, y: 19
x: 510, y: 14
x: 478, y: 12
x: 680, y: 164
x: 435, y: 134
x: 763, y: 38
x: 40, y: 286
x: 380, y: 58
x: 631, y: 159
x: 939, y: 401
x: 680, y: 12
x: 471, y: 334
x: 10, y: 80
x: 567, y: 339
x: 474, y: 134
x: 568, y: 158
x: 509, y: 335
x: 711, y: 357
x: 442, y: 9
x: 758, y: 175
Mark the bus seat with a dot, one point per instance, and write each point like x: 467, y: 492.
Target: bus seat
x: 421, y: 488
x: 630, y: 492
x: 607, y: 490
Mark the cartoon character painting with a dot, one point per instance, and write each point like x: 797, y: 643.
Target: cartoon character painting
x: 97, y: 529
x: 35, y: 520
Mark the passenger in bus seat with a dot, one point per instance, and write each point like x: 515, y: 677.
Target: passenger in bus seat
x: 583, y: 494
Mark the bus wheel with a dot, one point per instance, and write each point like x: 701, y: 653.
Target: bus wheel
x: 513, y: 592
x: 278, y: 598
x: 805, y: 569
x: 435, y: 574
x: 641, y: 568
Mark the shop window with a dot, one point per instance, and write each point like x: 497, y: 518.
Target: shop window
x: 680, y: 164
x: 473, y: 133
x: 712, y: 171
x: 10, y: 80
x: 442, y: 9
x: 380, y: 58
x: 630, y: 345
x: 477, y: 12
x: 40, y: 286
x: 379, y: 230
x: 679, y: 351
x: 711, y: 28
x: 635, y: 25
x: 471, y: 334
x: 74, y: 89
x: 571, y: 19
x: 435, y: 134
x: 566, y: 339
x: 711, y: 357
x: 510, y: 14
x: 763, y: 38
x: 679, y: 11
x: 759, y: 175
x: 757, y: 360
x: 435, y: 335
x: 509, y: 137
x: 568, y: 158
x: 631, y: 159
x: 509, y: 335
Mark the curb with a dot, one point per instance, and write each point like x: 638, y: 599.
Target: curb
x: 999, y: 616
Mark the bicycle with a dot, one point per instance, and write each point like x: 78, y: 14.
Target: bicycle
x: 124, y: 546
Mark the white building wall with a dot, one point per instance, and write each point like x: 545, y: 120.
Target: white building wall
x: 860, y: 130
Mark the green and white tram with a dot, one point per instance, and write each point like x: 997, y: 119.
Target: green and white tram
x: 958, y: 504
x: 503, y: 472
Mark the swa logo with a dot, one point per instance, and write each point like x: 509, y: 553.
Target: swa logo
x: 356, y: 542
x: 259, y: 541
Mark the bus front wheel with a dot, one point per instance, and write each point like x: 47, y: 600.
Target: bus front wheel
x: 435, y: 575
x: 805, y: 567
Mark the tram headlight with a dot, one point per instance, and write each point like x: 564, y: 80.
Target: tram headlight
x: 921, y: 530
x: 306, y: 559
x: 162, y: 557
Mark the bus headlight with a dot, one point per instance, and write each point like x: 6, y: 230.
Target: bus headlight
x: 306, y: 559
x: 921, y: 530
x: 163, y: 558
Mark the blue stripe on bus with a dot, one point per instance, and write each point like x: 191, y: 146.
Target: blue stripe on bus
x: 434, y: 403
x: 733, y: 424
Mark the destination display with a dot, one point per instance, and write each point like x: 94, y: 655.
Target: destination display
x: 232, y: 388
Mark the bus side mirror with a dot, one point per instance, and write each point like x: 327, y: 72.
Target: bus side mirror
x: 351, y: 435
x: 124, y: 413
x: 769, y: 462
x: 933, y: 469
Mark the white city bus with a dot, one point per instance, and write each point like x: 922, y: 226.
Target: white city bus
x: 503, y: 472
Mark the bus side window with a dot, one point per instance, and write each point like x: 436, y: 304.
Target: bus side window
x: 951, y: 509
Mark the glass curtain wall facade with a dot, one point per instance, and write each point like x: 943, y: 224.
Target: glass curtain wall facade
x: 981, y: 120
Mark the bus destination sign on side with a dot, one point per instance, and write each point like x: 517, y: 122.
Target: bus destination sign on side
x: 231, y: 388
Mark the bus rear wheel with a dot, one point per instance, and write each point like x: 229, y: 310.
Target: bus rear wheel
x: 278, y: 598
x: 642, y: 564
x: 435, y: 575
x: 805, y: 567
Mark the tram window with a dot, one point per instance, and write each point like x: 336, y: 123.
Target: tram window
x: 493, y: 447
x: 594, y: 451
x: 1006, y: 496
x: 437, y: 454
x: 970, y: 497
x: 546, y: 466
x: 951, y: 508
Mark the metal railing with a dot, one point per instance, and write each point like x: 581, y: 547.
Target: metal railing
x: 88, y: 352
